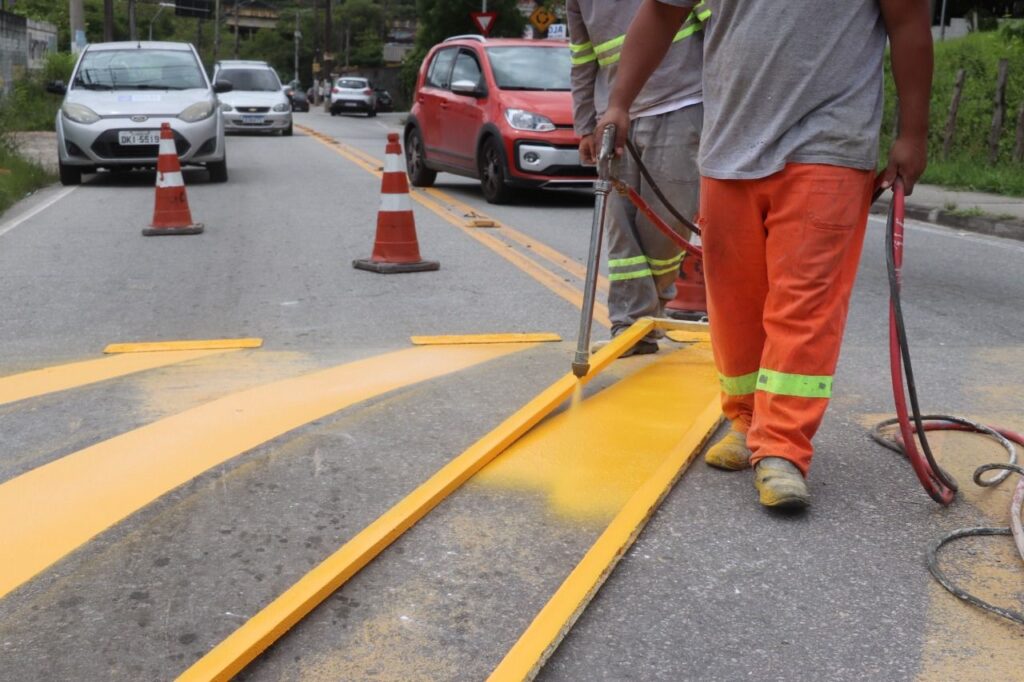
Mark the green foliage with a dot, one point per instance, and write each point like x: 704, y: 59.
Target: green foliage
x: 367, y: 50
x: 18, y: 177
x: 440, y: 19
x: 29, y: 106
x: 967, y: 167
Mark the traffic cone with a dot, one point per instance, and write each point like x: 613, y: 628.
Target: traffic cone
x: 691, y: 301
x: 170, y: 213
x: 395, y: 248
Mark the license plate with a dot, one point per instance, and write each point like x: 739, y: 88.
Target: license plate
x: 134, y: 138
x: 351, y: 104
x: 253, y: 120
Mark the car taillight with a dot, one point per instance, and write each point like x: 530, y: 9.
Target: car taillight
x: 335, y: 90
x: 367, y: 91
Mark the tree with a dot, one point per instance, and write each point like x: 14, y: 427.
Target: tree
x: 439, y: 19
x: 367, y: 50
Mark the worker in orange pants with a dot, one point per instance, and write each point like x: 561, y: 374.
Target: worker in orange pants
x: 793, y: 107
x: 778, y: 291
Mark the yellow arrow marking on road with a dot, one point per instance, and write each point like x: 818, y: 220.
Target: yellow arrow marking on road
x: 73, y: 375
x: 61, y: 505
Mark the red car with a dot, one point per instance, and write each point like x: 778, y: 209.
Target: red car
x: 495, y: 109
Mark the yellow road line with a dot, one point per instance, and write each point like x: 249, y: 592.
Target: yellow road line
x: 550, y: 626
x: 549, y: 254
x: 195, y: 344
x: 263, y: 629
x: 63, y: 504
x: 62, y: 377
x: 456, y: 340
x: 549, y: 279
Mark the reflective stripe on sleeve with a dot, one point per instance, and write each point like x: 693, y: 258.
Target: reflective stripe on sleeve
x: 796, y: 385
x: 741, y: 385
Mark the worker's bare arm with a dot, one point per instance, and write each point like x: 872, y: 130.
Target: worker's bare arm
x: 908, y: 23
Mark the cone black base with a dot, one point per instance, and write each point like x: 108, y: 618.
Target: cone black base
x: 158, y: 231
x: 686, y: 315
x: 394, y: 268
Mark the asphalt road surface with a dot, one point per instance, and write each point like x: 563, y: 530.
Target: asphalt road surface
x: 230, y: 474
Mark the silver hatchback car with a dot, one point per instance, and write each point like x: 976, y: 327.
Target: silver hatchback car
x: 119, y: 95
x: 353, y: 93
x: 257, y: 101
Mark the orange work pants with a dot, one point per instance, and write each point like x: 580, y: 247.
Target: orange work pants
x: 780, y: 259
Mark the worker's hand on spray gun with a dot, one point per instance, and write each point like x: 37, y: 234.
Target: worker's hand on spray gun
x: 908, y: 158
x: 619, y: 118
x: 588, y: 155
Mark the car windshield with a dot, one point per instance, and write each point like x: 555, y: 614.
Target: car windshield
x: 135, y: 69
x: 251, y: 80
x: 351, y: 84
x: 530, y: 68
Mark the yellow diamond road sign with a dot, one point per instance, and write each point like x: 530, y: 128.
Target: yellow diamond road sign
x: 541, y: 19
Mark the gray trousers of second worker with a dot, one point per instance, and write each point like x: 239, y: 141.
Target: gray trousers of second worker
x: 642, y: 262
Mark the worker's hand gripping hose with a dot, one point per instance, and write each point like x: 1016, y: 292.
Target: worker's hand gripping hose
x: 602, y: 187
x: 913, y: 427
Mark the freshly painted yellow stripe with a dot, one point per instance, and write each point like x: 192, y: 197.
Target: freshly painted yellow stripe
x: 263, y: 629
x: 549, y: 279
x: 196, y: 344
x: 63, y: 377
x: 547, y: 630
x: 458, y: 340
x: 63, y: 504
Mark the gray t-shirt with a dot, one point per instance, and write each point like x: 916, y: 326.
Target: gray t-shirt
x: 797, y: 81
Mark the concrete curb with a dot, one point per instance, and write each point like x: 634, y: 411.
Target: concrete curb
x: 992, y: 226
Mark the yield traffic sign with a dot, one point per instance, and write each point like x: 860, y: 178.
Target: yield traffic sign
x: 484, y: 21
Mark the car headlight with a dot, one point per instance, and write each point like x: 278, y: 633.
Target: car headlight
x: 79, y: 113
x: 520, y: 119
x: 224, y: 106
x: 283, y: 106
x: 197, y: 112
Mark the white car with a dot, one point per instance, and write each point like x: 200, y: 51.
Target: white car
x: 353, y: 93
x: 119, y: 95
x: 257, y: 101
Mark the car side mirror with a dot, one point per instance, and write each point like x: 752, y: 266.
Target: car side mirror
x: 221, y: 87
x: 57, y: 87
x: 468, y: 88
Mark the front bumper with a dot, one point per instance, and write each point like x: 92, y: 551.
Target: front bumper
x: 544, y: 164
x: 96, y: 144
x: 238, y: 121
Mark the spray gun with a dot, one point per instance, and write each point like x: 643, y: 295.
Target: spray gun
x: 602, y: 188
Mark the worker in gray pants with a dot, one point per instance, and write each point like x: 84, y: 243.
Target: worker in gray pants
x: 666, y: 122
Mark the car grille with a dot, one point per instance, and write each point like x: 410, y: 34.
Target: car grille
x: 253, y: 110
x: 107, y: 147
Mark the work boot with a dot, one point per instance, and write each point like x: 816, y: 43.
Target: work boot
x: 730, y: 453
x: 642, y: 347
x: 781, y: 484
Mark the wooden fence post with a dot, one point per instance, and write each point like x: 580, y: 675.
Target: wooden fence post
x: 1018, y: 149
x: 954, y: 109
x: 999, y: 113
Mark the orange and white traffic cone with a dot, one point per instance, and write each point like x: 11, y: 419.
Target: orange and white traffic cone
x: 691, y: 301
x: 395, y: 248
x: 170, y: 213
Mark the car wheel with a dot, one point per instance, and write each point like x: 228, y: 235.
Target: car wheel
x: 493, y: 173
x: 416, y: 161
x: 69, y: 175
x: 287, y: 132
x: 218, y: 171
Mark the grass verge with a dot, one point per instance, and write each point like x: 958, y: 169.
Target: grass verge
x: 18, y: 177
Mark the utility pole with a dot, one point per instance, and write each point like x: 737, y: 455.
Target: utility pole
x: 133, y: 33
x: 108, y: 20
x: 76, y: 20
x: 234, y: 12
x: 298, y: 36
x: 328, y: 36
x: 216, y: 30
